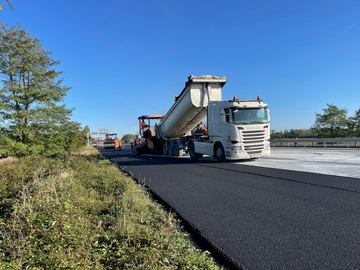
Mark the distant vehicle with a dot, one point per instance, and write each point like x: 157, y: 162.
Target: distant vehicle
x: 235, y: 129
x: 111, y: 141
x: 145, y: 141
x: 94, y: 143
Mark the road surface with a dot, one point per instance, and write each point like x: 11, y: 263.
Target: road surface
x: 257, y: 217
x: 332, y: 161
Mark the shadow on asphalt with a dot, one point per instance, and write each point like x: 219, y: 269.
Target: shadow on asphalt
x: 127, y: 158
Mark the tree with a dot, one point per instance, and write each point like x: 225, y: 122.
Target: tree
x: 9, y: 4
x: 356, y: 121
x: 292, y: 133
x: 30, y: 95
x: 73, y: 137
x: 332, y: 123
x: 128, y: 138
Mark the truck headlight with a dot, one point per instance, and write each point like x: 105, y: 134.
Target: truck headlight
x: 235, y: 148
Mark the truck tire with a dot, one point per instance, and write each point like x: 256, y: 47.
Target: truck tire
x: 165, y: 149
x: 176, y: 150
x: 191, y: 149
x: 219, y: 152
x: 170, y: 149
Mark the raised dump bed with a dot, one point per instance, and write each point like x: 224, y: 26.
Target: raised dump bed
x: 190, y: 106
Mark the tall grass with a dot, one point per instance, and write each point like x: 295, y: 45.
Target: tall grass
x: 80, y: 212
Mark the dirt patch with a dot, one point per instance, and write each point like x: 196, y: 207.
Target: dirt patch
x: 7, y: 160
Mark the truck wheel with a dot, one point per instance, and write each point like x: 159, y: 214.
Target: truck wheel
x: 219, y: 152
x: 176, y: 150
x: 191, y: 150
x: 165, y: 149
x: 170, y: 149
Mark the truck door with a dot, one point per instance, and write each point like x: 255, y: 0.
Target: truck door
x: 219, y: 124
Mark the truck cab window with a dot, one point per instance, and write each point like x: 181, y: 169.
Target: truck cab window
x: 250, y: 116
x: 227, y: 115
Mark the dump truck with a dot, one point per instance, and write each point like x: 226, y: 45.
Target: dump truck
x: 201, y: 123
x: 111, y: 141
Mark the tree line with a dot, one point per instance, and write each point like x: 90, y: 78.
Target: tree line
x: 33, y: 118
x: 332, y: 123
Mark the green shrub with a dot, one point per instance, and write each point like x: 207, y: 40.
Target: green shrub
x: 14, y: 148
x: 81, y: 212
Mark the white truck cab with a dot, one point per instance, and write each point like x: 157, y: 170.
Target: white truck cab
x: 237, y: 129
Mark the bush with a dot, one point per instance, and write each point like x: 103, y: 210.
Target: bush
x: 81, y: 212
x: 12, y: 148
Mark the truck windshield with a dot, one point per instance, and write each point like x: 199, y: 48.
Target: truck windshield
x: 250, y: 116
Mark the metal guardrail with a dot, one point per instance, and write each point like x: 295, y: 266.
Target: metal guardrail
x: 343, y: 142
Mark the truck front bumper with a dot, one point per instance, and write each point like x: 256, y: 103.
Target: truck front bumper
x: 237, y: 152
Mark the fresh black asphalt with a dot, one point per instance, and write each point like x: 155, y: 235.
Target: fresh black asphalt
x: 256, y: 217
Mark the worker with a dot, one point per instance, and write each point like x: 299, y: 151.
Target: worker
x: 147, y: 132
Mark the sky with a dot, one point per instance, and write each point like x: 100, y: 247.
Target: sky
x: 126, y: 58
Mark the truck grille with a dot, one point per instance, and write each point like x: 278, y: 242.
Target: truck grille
x: 253, y: 140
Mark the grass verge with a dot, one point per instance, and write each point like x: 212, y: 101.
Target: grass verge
x: 80, y: 212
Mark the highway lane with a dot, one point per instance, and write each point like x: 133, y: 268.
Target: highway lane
x: 329, y: 160
x: 258, y: 217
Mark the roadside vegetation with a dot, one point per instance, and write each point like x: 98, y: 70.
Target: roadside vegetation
x: 332, y: 123
x: 33, y: 117
x: 79, y: 211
